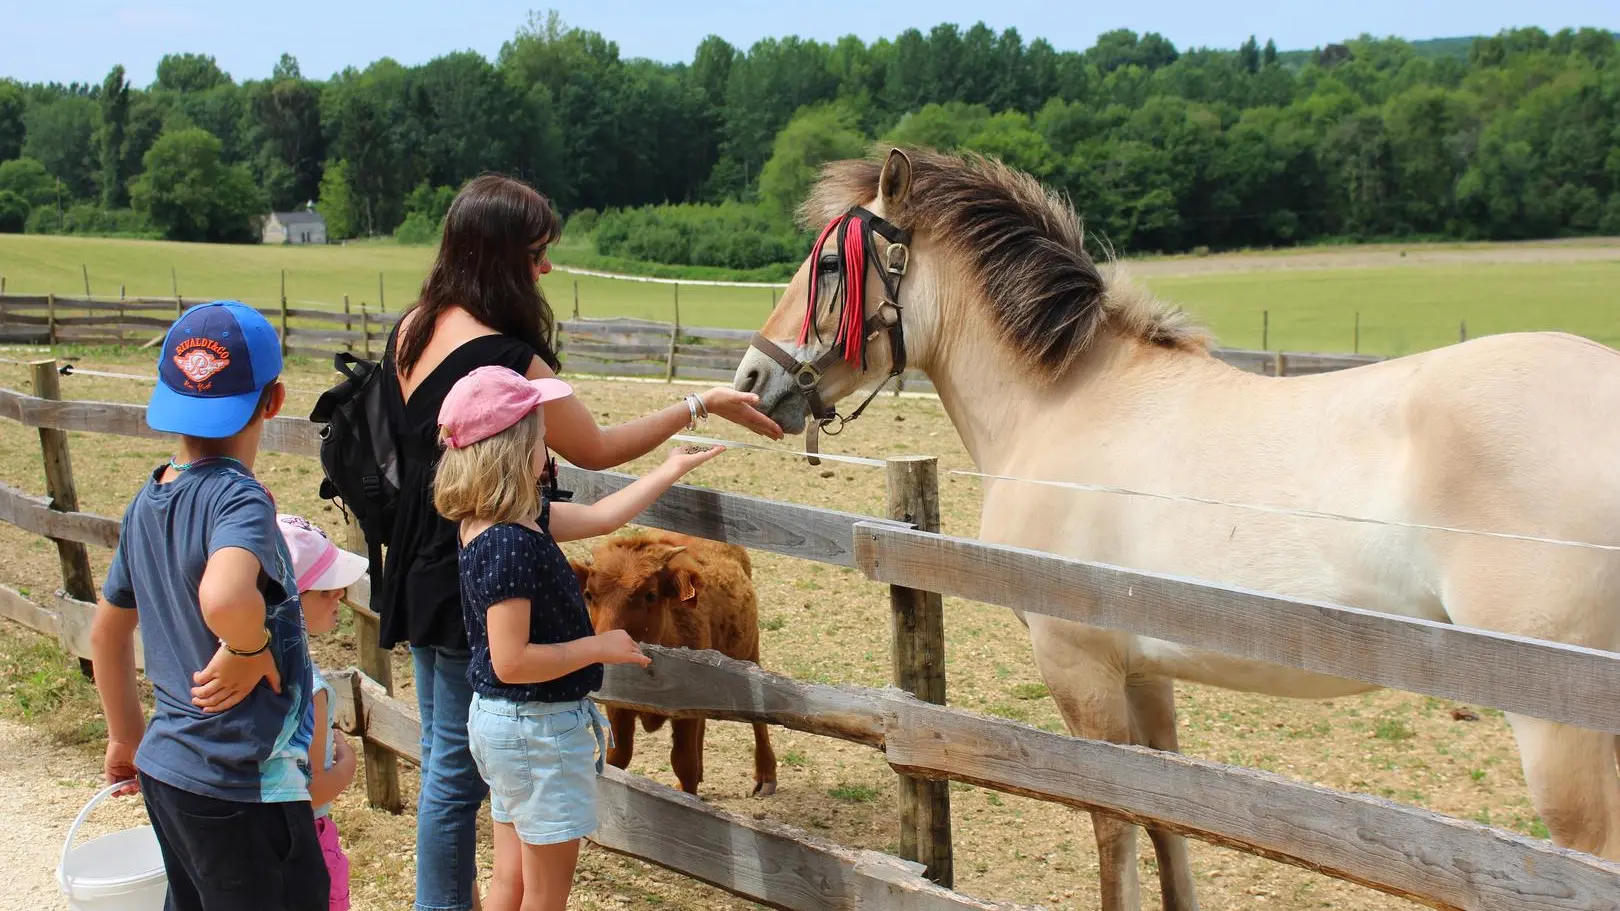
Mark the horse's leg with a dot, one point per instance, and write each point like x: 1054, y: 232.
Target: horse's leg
x: 1153, y: 708
x: 1570, y: 771
x: 1084, y: 670
x: 1573, y: 783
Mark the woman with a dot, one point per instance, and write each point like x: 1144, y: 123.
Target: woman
x: 481, y: 305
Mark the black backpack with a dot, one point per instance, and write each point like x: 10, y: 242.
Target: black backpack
x: 359, y: 454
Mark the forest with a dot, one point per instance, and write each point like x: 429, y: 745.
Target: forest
x: 702, y: 163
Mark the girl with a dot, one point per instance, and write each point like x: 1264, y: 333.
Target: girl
x: 481, y: 305
x: 535, y: 735
x: 323, y: 573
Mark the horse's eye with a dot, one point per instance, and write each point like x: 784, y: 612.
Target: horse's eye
x: 828, y: 264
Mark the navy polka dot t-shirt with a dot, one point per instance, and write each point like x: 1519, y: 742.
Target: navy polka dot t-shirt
x: 511, y: 561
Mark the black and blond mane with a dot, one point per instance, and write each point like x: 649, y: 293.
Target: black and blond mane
x: 1024, y: 245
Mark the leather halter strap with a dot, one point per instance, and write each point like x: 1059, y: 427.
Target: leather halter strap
x: 808, y: 374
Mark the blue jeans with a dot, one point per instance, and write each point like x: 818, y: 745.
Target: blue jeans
x: 452, y: 789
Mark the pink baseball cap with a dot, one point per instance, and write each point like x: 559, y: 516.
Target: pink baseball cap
x: 318, y: 564
x: 490, y: 399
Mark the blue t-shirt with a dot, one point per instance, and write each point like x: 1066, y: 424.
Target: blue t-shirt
x: 258, y: 750
x: 511, y: 561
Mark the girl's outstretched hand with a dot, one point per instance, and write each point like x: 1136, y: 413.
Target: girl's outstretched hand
x: 685, y: 458
x: 615, y: 646
x: 741, y: 408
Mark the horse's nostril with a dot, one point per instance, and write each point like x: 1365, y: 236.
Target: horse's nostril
x: 750, y: 381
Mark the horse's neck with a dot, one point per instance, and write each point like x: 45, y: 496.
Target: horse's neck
x: 995, y: 403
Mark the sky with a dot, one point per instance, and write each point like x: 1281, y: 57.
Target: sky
x: 80, y: 40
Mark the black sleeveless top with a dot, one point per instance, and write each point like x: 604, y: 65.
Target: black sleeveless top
x: 420, y: 596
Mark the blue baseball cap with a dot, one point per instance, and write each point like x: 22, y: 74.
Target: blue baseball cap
x: 217, y: 358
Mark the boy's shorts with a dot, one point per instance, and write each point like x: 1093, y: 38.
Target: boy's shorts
x: 221, y: 855
x: 337, y: 863
x: 541, y: 760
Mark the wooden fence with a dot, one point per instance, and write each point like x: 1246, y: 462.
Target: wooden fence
x: 1403, y: 850
x: 602, y: 347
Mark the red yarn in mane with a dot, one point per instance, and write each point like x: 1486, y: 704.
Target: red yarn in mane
x: 852, y: 269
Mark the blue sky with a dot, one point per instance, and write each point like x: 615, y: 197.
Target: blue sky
x: 68, y: 40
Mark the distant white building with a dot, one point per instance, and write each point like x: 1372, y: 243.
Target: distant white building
x: 305, y: 226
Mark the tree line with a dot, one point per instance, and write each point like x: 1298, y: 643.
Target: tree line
x: 1516, y: 135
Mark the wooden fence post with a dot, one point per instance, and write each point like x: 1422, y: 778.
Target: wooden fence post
x: 1265, y: 330
x: 382, y: 304
x: 76, y: 578
x: 919, y: 668
x: 348, y: 324
x: 174, y: 285
x: 1462, y: 331
x: 674, y: 336
x: 365, y: 331
x: 1279, y: 364
x: 284, y: 348
x: 1355, y: 347
x: 382, y: 767
x: 576, y: 298
x: 50, y: 317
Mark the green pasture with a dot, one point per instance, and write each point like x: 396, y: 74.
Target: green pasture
x: 1402, y: 309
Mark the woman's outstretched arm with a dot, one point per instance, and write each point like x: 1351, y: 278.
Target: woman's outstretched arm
x: 573, y: 433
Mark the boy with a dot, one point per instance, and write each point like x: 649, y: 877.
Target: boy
x: 201, y: 565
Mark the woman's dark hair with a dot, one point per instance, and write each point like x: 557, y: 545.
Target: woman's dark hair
x: 484, y: 267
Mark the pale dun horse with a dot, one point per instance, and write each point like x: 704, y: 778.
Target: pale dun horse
x: 1051, y: 368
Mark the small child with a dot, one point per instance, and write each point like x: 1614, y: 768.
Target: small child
x: 323, y: 574
x: 534, y: 734
x: 200, y: 566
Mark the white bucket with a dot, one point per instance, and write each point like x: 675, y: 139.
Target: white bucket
x: 122, y: 871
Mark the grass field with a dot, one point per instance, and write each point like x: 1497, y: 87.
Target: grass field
x: 1311, y: 298
x: 824, y: 624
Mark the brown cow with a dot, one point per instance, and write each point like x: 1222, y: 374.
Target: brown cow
x: 682, y: 592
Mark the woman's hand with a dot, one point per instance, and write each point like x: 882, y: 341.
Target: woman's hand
x: 685, y: 458
x: 740, y: 408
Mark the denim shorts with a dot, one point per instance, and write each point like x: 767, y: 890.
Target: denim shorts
x: 541, y: 760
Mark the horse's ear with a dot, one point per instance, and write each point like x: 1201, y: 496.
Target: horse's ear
x: 894, y: 183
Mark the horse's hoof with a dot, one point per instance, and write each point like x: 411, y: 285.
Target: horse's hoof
x: 765, y: 789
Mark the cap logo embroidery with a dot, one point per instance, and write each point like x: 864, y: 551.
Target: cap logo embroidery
x: 200, y: 359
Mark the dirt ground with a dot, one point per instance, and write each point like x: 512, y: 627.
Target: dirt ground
x: 818, y: 623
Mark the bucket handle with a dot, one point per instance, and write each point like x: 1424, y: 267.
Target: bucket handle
x: 73, y: 830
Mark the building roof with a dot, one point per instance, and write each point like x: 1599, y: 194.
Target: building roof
x: 300, y: 217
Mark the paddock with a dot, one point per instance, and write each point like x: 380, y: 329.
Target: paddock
x: 1396, y: 848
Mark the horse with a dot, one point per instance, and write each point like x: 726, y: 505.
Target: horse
x: 1052, y: 367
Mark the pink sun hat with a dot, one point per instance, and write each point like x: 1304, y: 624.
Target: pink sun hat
x: 490, y: 399
x: 318, y: 564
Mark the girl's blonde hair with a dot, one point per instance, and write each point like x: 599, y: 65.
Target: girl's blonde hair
x: 493, y: 479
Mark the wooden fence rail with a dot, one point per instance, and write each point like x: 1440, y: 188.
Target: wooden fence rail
x: 1548, y: 680
x: 606, y: 347
x: 1401, y: 850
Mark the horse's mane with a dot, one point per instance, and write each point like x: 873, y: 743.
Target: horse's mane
x: 1024, y: 245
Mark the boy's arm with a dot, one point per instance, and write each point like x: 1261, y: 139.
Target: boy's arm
x: 232, y: 604
x: 233, y: 608
x: 112, y: 649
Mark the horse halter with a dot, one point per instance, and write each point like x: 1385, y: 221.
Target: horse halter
x: 855, y: 250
